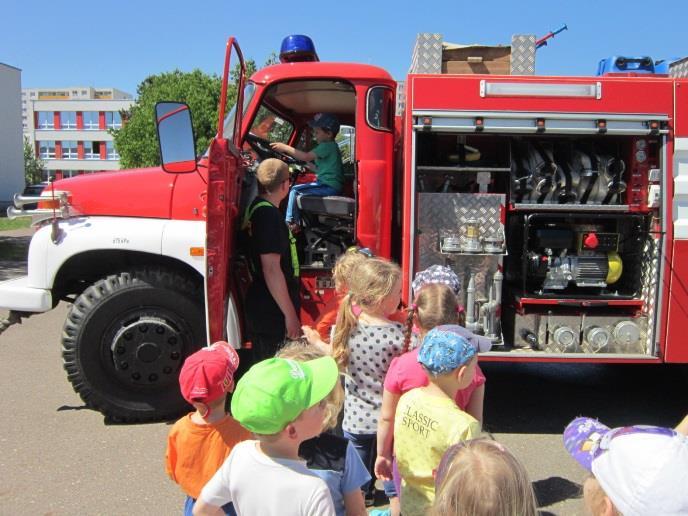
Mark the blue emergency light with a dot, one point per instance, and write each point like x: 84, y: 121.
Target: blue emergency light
x: 297, y: 48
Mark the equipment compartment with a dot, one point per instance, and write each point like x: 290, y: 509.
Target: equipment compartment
x: 450, y: 163
x: 552, y: 255
x: 552, y: 236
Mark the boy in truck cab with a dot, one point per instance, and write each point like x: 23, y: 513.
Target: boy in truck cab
x: 328, y: 165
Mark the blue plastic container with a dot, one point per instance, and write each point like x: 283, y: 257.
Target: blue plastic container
x: 662, y: 65
x: 625, y: 64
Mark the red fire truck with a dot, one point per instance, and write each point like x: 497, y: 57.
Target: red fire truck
x: 561, y: 202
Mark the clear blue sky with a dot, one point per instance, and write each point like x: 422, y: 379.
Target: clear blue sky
x: 119, y: 44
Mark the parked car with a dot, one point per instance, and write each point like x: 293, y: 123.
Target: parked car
x: 33, y: 191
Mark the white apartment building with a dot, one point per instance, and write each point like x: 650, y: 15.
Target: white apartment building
x: 11, y: 146
x: 69, y: 127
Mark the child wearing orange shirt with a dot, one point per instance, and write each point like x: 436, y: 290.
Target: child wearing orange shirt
x: 200, y: 442
x: 341, y: 273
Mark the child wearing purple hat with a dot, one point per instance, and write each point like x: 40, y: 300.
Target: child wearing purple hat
x: 637, y: 470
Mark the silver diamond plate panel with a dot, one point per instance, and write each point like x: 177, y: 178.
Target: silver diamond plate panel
x: 649, y: 276
x: 443, y: 214
x: 679, y: 68
x: 427, y: 54
x: 523, y: 54
x: 401, y: 97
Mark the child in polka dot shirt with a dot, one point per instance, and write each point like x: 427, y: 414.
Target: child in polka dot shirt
x: 364, y: 345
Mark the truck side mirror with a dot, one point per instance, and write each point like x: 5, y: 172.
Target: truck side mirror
x: 175, y: 137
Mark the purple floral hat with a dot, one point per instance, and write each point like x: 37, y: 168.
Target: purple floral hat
x: 436, y: 274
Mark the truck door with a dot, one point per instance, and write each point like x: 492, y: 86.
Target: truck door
x: 224, y: 189
x: 375, y: 159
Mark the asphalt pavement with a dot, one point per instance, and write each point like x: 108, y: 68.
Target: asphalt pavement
x: 58, y: 457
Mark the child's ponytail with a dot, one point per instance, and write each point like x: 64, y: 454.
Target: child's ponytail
x: 408, y: 329
x: 346, y: 321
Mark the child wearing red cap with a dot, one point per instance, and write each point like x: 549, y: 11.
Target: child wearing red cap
x: 199, y: 442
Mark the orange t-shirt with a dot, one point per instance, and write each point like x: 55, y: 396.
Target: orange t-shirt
x: 195, y: 452
x: 329, y: 317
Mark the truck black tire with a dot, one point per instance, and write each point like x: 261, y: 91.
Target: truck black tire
x: 126, y: 338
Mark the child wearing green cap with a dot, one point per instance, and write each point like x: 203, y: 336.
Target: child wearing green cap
x: 332, y: 457
x: 283, y: 402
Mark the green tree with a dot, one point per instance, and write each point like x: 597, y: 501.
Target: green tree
x: 137, y: 142
x: 33, y: 165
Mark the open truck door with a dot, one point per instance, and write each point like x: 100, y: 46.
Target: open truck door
x: 177, y: 151
x: 224, y: 192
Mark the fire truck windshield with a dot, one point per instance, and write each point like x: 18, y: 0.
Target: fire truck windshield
x: 249, y: 91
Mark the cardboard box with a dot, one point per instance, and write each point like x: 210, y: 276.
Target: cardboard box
x: 459, y: 59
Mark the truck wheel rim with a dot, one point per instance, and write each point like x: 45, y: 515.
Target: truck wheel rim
x: 147, y: 351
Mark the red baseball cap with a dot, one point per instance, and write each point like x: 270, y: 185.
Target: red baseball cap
x: 208, y: 373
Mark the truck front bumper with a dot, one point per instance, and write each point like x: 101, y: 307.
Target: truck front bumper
x: 15, y: 294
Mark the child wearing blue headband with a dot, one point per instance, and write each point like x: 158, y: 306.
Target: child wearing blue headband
x: 427, y: 420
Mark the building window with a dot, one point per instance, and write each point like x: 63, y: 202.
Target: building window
x: 69, y: 150
x: 46, y: 149
x: 46, y: 120
x: 91, y: 121
x: 91, y: 150
x: 113, y: 120
x: 68, y: 119
x: 111, y: 151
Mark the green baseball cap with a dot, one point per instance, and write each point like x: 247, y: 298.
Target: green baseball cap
x: 274, y: 392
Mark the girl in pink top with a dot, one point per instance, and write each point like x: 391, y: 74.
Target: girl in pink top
x: 436, y: 304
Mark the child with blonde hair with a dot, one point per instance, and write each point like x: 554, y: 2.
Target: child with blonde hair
x: 481, y: 477
x: 364, y: 346
x: 283, y: 403
x: 427, y: 419
x: 435, y: 305
x: 341, y: 272
x: 331, y: 457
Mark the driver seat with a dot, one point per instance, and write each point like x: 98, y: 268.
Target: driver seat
x: 332, y: 205
x: 328, y: 228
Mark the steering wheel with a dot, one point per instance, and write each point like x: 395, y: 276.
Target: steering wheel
x: 264, y: 151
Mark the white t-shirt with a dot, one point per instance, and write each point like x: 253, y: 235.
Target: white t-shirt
x: 258, y: 484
